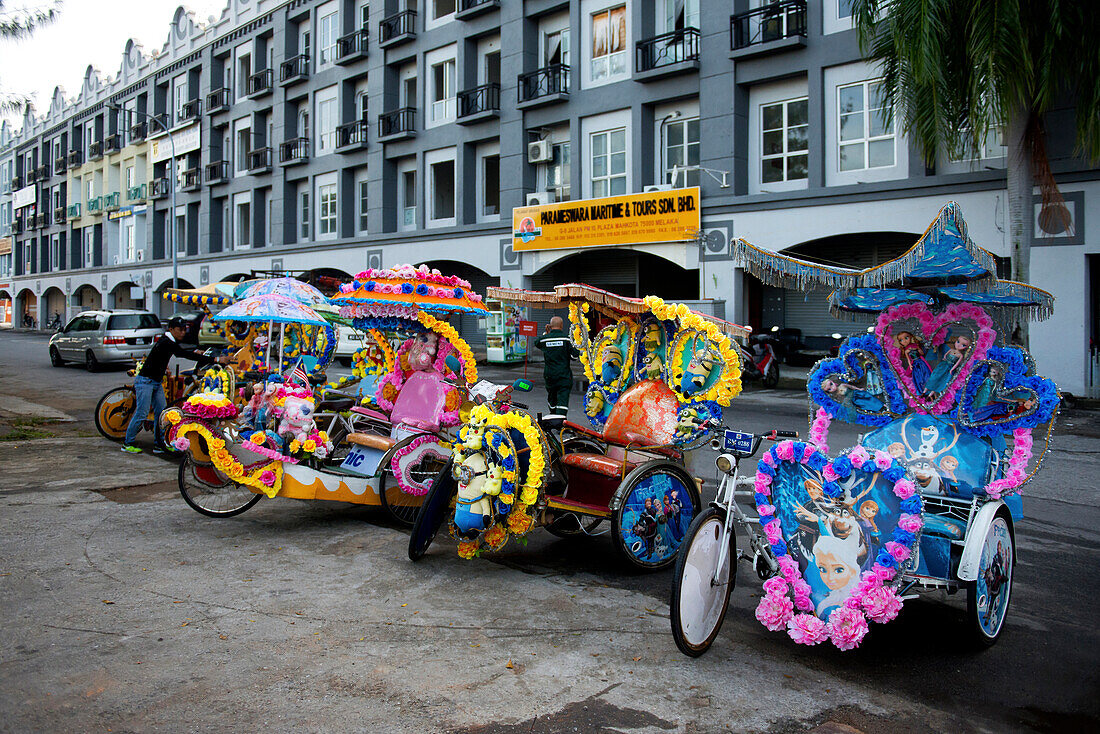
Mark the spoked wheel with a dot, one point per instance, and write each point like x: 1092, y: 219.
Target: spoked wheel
x: 433, y: 513
x: 113, y: 412
x: 212, y: 493
x: 987, y: 598
x: 771, y: 377
x: 403, y: 496
x: 700, y: 589
x: 649, y: 524
x: 570, y: 525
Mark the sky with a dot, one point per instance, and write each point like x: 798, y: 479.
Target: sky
x: 86, y: 32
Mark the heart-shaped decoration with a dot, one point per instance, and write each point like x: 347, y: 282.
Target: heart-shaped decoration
x: 841, y: 530
x: 933, y: 353
x: 856, y: 386
x: 1000, y: 395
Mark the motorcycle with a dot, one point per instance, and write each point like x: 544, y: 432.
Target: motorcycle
x: 759, y: 362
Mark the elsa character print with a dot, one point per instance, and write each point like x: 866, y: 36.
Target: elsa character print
x: 838, y: 568
x: 957, y: 349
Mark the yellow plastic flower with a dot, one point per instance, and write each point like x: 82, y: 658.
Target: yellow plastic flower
x: 529, y: 495
x: 310, y: 445
x: 323, y: 435
x: 467, y: 549
x: 519, y: 522
x: 173, y: 417
x: 495, y: 537
x: 257, y: 438
x: 294, y: 446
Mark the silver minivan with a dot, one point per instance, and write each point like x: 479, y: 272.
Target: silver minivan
x: 95, y: 337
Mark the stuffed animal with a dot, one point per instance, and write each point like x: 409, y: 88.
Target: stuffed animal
x: 480, y: 482
x: 297, y: 419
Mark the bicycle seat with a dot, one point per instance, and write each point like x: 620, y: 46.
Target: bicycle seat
x: 335, y: 405
x: 551, y: 422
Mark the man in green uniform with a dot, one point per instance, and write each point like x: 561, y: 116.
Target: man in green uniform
x: 557, y: 351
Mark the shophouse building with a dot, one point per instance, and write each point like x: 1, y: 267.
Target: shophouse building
x: 333, y: 136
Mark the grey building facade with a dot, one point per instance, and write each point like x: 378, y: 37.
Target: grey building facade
x: 334, y: 136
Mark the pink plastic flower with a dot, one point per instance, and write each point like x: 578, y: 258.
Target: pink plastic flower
x: 806, y: 629
x: 267, y: 477
x: 882, y: 604
x: 829, y: 474
x: 774, y: 611
x: 904, y: 488
x: 883, y: 460
x: 803, y: 602
x: 785, y: 450
x: 858, y: 456
x: 847, y: 627
x: 788, y: 566
x: 807, y: 453
x: 762, y: 478
x: 773, y: 533
x: 885, y: 575
x: 897, y: 550
x: 776, y: 584
x: 761, y: 487
x: 910, y: 523
x: 768, y: 459
x: 182, y: 443
x: 766, y: 511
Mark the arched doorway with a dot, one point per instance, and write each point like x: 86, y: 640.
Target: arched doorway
x: 467, y: 325
x: 123, y: 296
x: 161, y: 307
x: 7, y: 309
x: 626, y: 272
x: 87, y: 298
x: 807, y: 310
x: 54, y: 308
x: 26, y: 309
x: 326, y: 280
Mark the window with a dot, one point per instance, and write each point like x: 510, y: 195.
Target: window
x: 181, y: 230
x: 408, y: 199
x: 555, y: 48
x: 303, y: 215
x: 490, y: 197
x: 303, y: 121
x: 129, y: 244
x: 866, y: 137
x: 492, y: 67
x: 89, y: 247
x: 242, y: 230
x: 609, y: 43
x: 784, y: 141
x: 682, y: 151
x: 89, y: 138
x: 409, y: 90
x: 609, y: 163
x: 678, y: 14
x: 55, y: 253
x: 244, y: 144
x: 244, y: 70
x: 361, y: 106
x: 843, y: 9
x: 130, y: 179
x: 304, y: 40
x: 179, y: 96
x: 993, y: 146
x: 326, y: 120
x: 443, y: 191
x: 326, y: 196
x: 363, y: 206
x: 442, y: 8
x: 326, y: 40
x: 443, y: 91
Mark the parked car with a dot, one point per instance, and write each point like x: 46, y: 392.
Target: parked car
x: 799, y: 351
x: 100, y: 337
x: 348, y: 341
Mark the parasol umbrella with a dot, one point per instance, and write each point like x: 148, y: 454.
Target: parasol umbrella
x: 272, y: 309
x: 289, y: 287
x: 403, y: 291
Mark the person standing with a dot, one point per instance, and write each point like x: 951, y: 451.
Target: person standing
x: 558, y: 351
x: 147, y: 382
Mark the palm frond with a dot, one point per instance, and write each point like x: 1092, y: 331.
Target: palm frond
x: 21, y: 23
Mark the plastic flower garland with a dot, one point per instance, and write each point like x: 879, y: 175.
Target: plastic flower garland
x: 465, y: 354
x: 578, y: 331
x: 728, y: 386
x: 266, y: 477
x: 316, y: 445
x: 874, y: 597
x: 933, y: 329
x: 819, y: 430
x: 841, y: 365
x: 1016, y: 474
x: 1015, y: 378
x: 216, y: 381
x: 210, y: 405
x: 417, y: 490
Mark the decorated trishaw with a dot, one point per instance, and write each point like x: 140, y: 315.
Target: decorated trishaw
x: 929, y: 497
x: 384, y: 452
x: 659, y: 376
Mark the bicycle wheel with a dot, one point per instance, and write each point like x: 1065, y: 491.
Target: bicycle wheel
x: 433, y: 513
x: 419, y: 469
x: 113, y: 412
x: 701, y: 590
x: 211, y: 493
x: 987, y: 598
x: 644, y: 534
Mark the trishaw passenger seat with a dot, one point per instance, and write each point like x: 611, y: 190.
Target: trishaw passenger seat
x: 598, y: 464
x: 645, y: 415
x: 421, y: 400
x: 372, y: 441
x: 335, y: 405
x: 551, y: 422
x: 370, y: 413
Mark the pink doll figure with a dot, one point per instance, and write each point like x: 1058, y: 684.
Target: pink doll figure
x: 297, y: 420
x: 422, y: 352
x: 912, y: 358
x: 839, y: 570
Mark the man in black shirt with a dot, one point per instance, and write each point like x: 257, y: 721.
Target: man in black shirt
x: 147, y: 383
x: 557, y: 350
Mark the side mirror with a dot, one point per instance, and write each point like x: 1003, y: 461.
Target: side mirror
x: 522, y: 385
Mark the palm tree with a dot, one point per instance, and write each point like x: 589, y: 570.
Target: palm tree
x: 959, y: 70
x: 16, y: 25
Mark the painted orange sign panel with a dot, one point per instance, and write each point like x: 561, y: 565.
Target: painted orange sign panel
x: 659, y: 216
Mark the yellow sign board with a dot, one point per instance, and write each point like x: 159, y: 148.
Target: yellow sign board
x: 658, y: 216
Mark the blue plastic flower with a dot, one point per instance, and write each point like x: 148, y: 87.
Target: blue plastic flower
x: 407, y: 288
x: 369, y: 285
x: 817, y: 462
x: 832, y: 489
x: 509, y: 462
x: 885, y: 559
x: 760, y: 499
x: 911, y: 505
x: 842, y: 465
x: 894, y: 473
x: 422, y: 289
x: 903, y: 536
x: 779, y: 548
x: 459, y: 293
x: 765, y: 469
x: 799, y: 449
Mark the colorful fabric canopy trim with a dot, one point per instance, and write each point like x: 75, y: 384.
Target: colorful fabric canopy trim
x: 404, y: 285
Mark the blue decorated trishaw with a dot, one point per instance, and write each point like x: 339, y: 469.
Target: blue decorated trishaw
x: 927, y: 500
x: 659, y: 375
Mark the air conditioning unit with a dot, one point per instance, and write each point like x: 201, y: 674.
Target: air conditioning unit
x: 539, y: 151
x: 541, y: 197
x: 652, y: 188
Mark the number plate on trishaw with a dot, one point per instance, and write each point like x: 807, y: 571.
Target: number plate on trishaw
x: 737, y: 441
x: 362, y: 460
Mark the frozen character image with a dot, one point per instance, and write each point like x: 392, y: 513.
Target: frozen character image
x: 948, y: 465
x: 811, y: 517
x: 838, y: 568
x: 866, y: 519
x: 995, y: 577
x: 851, y: 396
x: 950, y: 363
x: 897, y: 450
x: 912, y: 358
x: 987, y: 405
x: 646, y: 528
x: 673, y: 512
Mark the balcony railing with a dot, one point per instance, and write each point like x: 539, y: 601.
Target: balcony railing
x: 259, y: 160
x: 95, y: 205
x: 41, y: 220
x: 60, y: 163
x: 73, y: 210
x: 550, y: 82
x: 95, y: 150
x: 112, y: 142
x: 397, y: 28
x: 217, y: 101
x: 352, y: 47
x: 351, y: 136
x: 43, y: 172
x: 479, y: 102
x: 470, y: 8
x: 137, y: 131
x: 112, y: 201
x: 17, y: 226
x: 190, y: 179
x: 136, y: 193
x: 667, y: 49
x: 397, y: 123
x: 217, y: 172
x: 294, y: 70
x: 191, y: 110
x: 295, y: 150
x: 32, y: 175
x: 158, y: 124
x: 76, y: 157
x: 16, y: 183
x: 59, y: 214
x: 158, y: 188
x: 259, y: 83
x: 775, y: 21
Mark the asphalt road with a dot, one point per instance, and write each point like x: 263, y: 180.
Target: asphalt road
x: 122, y: 609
